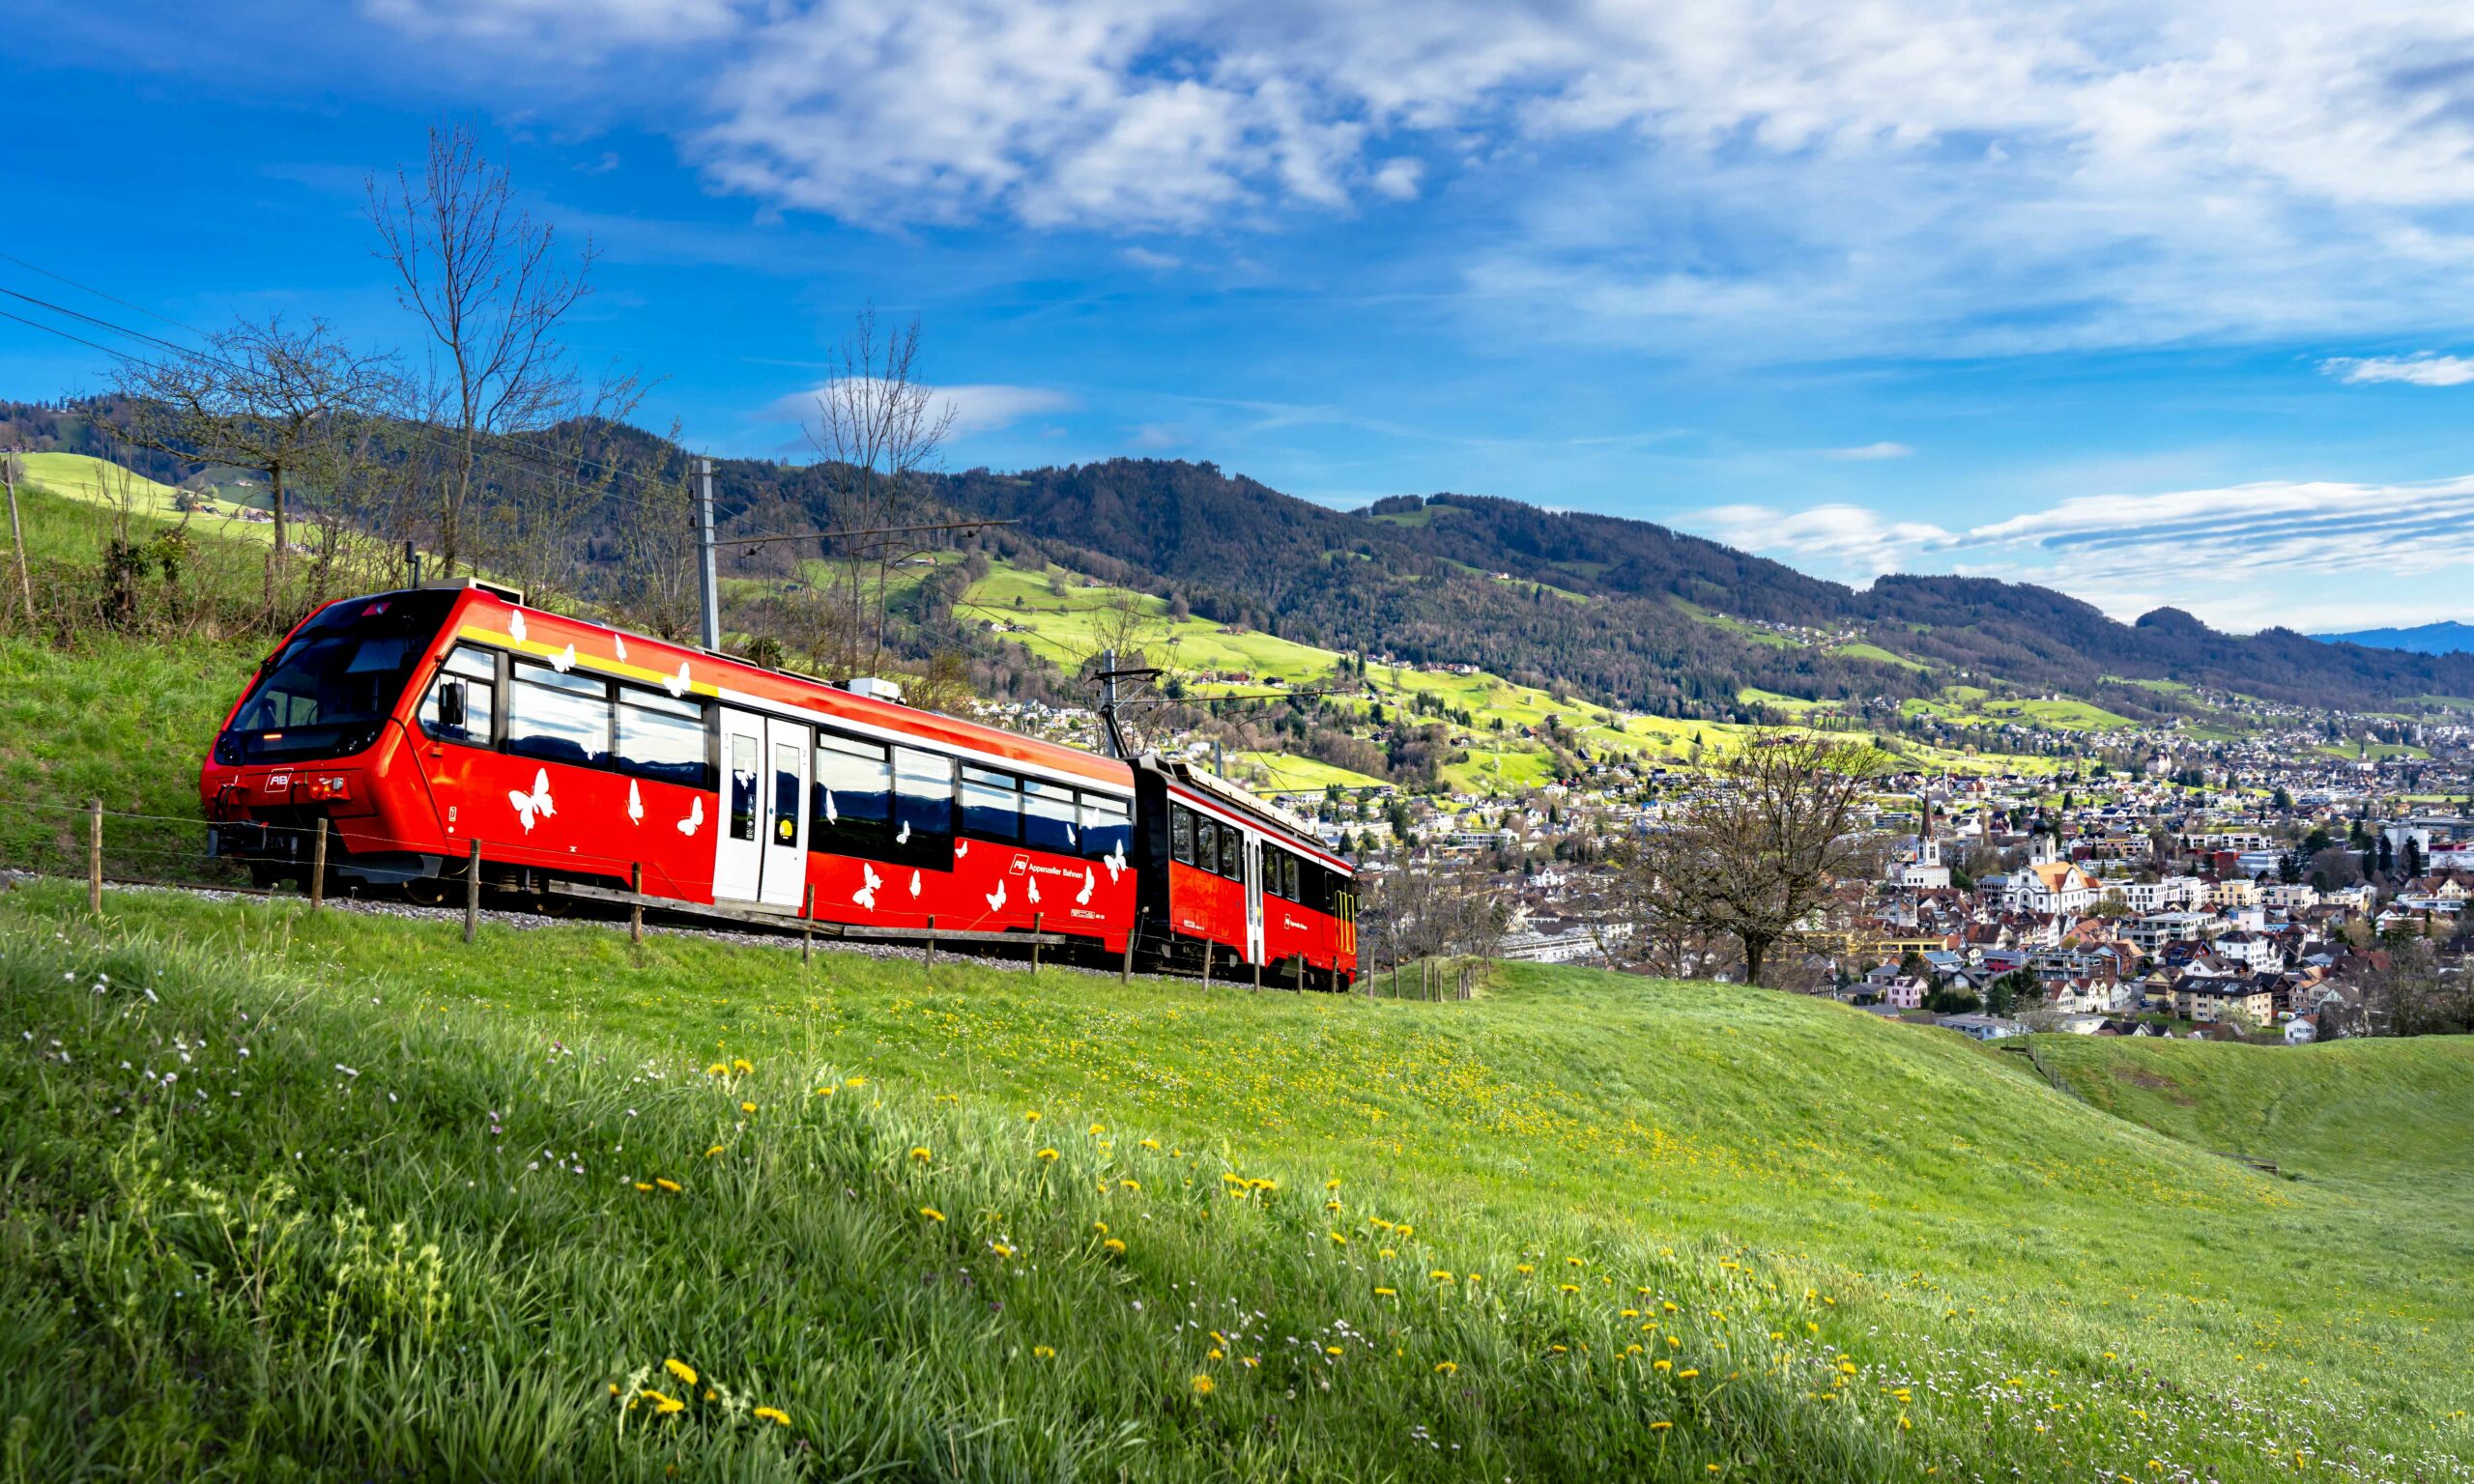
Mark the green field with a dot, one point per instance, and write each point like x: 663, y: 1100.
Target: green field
x: 419, y: 1228
x: 1277, y: 773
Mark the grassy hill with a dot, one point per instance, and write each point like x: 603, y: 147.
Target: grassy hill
x: 364, y: 1201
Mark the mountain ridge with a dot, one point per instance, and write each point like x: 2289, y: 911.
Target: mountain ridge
x: 2446, y: 637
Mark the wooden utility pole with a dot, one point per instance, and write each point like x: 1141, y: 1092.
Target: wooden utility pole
x: 17, y: 533
x: 932, y: 942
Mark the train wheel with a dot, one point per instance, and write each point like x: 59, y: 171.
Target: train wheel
x: 426, y: 892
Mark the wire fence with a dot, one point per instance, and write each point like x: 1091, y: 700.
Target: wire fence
x: 136, y: 847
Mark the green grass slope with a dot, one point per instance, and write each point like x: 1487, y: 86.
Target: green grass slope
x: 419, y: 1229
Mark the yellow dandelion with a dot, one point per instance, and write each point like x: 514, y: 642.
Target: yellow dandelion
x: 1387, y: 1292
x: 747, y: 1108
x: 642, y: 1186
x: 1043, y: 1351
x: 922, y: 1154
x: 1337, y: 1239
x: 1572, y: 1262
x: 680, y: 1369
x: 1151, y: 1143
x: 1660, y: 1427
x: 1686, y: 1375
x: 1331, y: 1205
x: 825, y: 1091
x: 664, y: 1405
x: 1032, y: 1117
x: 773, y: 1414
x: 1441, y: 1274
x: 669, y: 1184
x: 1048, y: 1157
x: 932, y: 1213
x: 1331, y: 1350
x: 1525, y: 1268
x: 1202, y: 1385
x: 1000, y: 1249
x: 1330, y: 1185
x: 1387, y: 1252
x: 854, y: 1082
x: 1131, y: 1184
x: 743, y: 1066
x: 710, y: 1153
x: 1446, y: 1367
x: 1662, y: 1364
x: 1114, y: 1245
x: 718, y: 1069
x: 1568, y: 1288
x: 1096, y: 1129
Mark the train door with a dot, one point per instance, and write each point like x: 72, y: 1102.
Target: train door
x: 762, y: 855
x: 1253, y: 898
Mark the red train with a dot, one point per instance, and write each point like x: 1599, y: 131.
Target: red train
x: 420, y: 722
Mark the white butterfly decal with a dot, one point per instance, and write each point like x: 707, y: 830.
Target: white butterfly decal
x: 1114, y: 860
x: 904, y: 838
x: 564, y: 660
x: 832, y: 815
x: 538, y: 802
x: 620, y: 641
x: 996, y: 899
x: 1069, y: 837
x: 635, y: 804
x: 1032, y: 886
x: 961, y: 847
x: 515, y: 625
x: 676, y: 684
x: 865, y: 895
x: 914, y: 883
x: 695, y: 819
x: 1083, y: 897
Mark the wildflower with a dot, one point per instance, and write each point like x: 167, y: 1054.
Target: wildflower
x: 932, y: 1213
x: 710, y: 1153
x: 642, y: 1186
x: 747, y: 1108
x: 1000, y: 1249
x: 1048, y: 1157
x: 1202, y: 1385
x: 1151, y: 1143
x: 773, y: 1414
x: 1331, y: 1349
x: 1032, y: 1117
x: 921, y: 1154
x: 1568, y: 1288
x: 1572, y: 1262
x: 718, y: 1069
x: 1387, y: 1292
x: 1686, y: 1374
x: 614, y: 1388
x: 854, y: 1082
x: 1662, y: 1364
x: 1251, y: 1361
x: 1114, y: 1246
x: 1446, y: 1368
x: 664, y: 1405
x: 742, y: 1067
x: 1131, y: 1184
x: 1902, y: 1423
x: 1330, y: 1185
x: 671, y: 1186
x: 1441, y: 1274
x: 1660, y: 1427
x: 1388, y: 1253
x: 1096, y: 1129
x: 1101, y: 1227
x: 1406, y: 1232
x: 1043, y: 1351
x: 825, y: 1091
x: 680, y: 1369
x: 1525, y: 1268
x: 1337, y: 1239
x: 1331, y: 1205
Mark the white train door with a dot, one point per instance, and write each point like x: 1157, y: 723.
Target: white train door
x: 762, y: 852
x: 1253, y: 898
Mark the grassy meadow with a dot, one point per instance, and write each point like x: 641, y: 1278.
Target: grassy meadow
x: 332, y: 1196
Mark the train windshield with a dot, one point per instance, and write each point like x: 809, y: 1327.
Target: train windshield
x: 329, y: 691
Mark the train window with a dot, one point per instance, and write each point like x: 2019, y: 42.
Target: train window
x: 923, y: 796
x: 1207, y: 844
x: 463, y: 705
x: 991, y: 804
x: 786, y: 793
x: 743, y: 788
x: 1232, y: 852
x: 1047, y: 816
x: 1181, y: 834
x: 557, y: 718
x: 853, y: 786
x: 1279, y: 874
x: 663, y: 739
x: 1107, y: 829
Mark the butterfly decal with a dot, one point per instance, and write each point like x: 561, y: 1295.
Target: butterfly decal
x: 676, y: 684
x: 635, y: 804
x: 961, y: 847
x: 914, y: 884
x: 865, y: 895
x: 832, y: 815
x: 620, y: 640
x: 1083, y: 897
x: 564, y: 660
x: 1032, y: 888
x: 695, y: 819
x: 904, y: 838
x: 515, y: 625
x: 1114, y: 860
x: 535, y: 802
x: 996, y: 899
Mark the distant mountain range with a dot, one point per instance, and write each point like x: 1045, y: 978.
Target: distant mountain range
x: 2447, y: 637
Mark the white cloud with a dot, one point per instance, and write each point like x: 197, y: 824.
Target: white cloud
x: 544, y: 24
x: 2303, y: 554
x: 2425, y: 368
x: 1398, y: 178
x: 1868, y: 452
x: 976, y: 408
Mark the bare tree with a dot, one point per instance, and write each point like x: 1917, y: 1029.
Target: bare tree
x: 879, y: 429
x: 656, y: 586
x: 1758, y: 850
x: 528, y: 519
x: 486, y: 278
x: 12, y: 470
x: 259, y: 396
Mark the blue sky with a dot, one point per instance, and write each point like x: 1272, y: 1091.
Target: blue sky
x: 2155, y: 303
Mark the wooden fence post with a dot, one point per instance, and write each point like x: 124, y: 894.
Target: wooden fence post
x: 94, y: 855
x: 473, y: 890
x: 1258, y: 973
x: 931, y: 941
x: 1206, y: 965
x: 1035, y: 940
x: 807, y: 929
x: 636, y: 908
x: 1125, y: 975
x: 318, y: 867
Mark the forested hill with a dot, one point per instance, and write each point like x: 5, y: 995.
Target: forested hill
x: 1635, y: 611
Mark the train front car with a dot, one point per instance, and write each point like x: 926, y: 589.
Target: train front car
x: 1230, y: 884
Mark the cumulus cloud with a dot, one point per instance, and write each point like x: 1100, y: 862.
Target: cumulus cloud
x: 2281, y: 551
x: 1867, y: 452
x: 2425, y: 368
